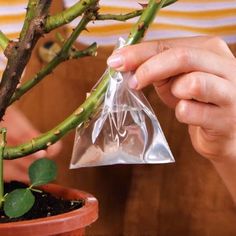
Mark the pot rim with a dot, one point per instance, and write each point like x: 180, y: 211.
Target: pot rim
x: 64, y: 222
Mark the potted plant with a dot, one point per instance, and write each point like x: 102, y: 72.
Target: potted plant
x: 17, y: 203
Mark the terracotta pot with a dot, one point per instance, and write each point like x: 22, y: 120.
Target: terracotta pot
x: 68, y: 224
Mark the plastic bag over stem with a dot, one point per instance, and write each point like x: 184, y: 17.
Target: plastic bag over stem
x: 124, y: 129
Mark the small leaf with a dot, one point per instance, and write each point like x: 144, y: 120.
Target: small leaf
x: 42, y: 171
x: 18, y: 202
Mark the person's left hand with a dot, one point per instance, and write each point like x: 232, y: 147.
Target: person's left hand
x: 19, y: 130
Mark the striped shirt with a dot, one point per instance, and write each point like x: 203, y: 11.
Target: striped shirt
x: 183, y: 18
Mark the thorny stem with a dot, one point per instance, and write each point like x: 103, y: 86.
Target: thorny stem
x: 79, y: 28
x: 30, y: 14
x: 89, y: 51
x: 130, y: 15
x: 65, y: 54
x: 3, y: 132
x: 84, y: 112
x: 20, y: 91
x: 68, y: 15
x: 120, y: 17
x: 139, y: 29
x: 21, y: 51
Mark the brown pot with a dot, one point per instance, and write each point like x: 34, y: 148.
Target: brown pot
x: 68, y: 224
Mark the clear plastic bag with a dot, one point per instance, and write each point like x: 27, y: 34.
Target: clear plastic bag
x: 125, y: 130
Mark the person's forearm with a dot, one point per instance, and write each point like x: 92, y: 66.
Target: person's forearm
x: 227, y: 171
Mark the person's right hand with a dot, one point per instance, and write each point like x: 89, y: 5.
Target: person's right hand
x: 197, y: 77
x: 19, y: 130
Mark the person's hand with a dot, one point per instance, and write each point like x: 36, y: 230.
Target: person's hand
x: 19, y: 130
x: 197, y: 77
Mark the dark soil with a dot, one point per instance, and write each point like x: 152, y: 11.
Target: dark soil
x: 45, y: 205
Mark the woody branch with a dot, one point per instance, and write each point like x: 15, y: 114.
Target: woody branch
x: 82, y: 113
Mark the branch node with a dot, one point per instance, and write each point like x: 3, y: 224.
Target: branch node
x: 57, y: 132
x: 7, y: 52
x: 28, y: 46
x: 79, y: 111
x: 141, y: 26
x: 49, y: 144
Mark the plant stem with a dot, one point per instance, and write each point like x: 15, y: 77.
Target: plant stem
x: 30, y: 14
x: 79, y: 28
x: 68, y: 15
x: 45, y: 140
x: 89, y: 51
x: 3, y: 41
x: 130, y: 15
x: 120, y: 17
x: 34, y: 189
x: 139, y: 29
x: 19, y: 55
x: 63, y: 55
x: 24, y: 88
x: 85, y: 111
x: 20, y: 91
x: 77, y: 9
x: 3, y: 132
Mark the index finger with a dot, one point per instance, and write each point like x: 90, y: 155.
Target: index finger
x: 129, y: 58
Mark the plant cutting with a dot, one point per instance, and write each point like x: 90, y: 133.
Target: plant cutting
x: 38, y: 22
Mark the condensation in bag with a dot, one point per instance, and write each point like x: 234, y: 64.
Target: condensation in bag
x: 124, y: 131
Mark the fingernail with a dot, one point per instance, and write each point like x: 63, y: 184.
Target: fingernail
x: 115, y: 61
x: 133, y: 82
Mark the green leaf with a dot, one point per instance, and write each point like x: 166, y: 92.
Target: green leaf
x: 42, y: 171
x: 18, y: 202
